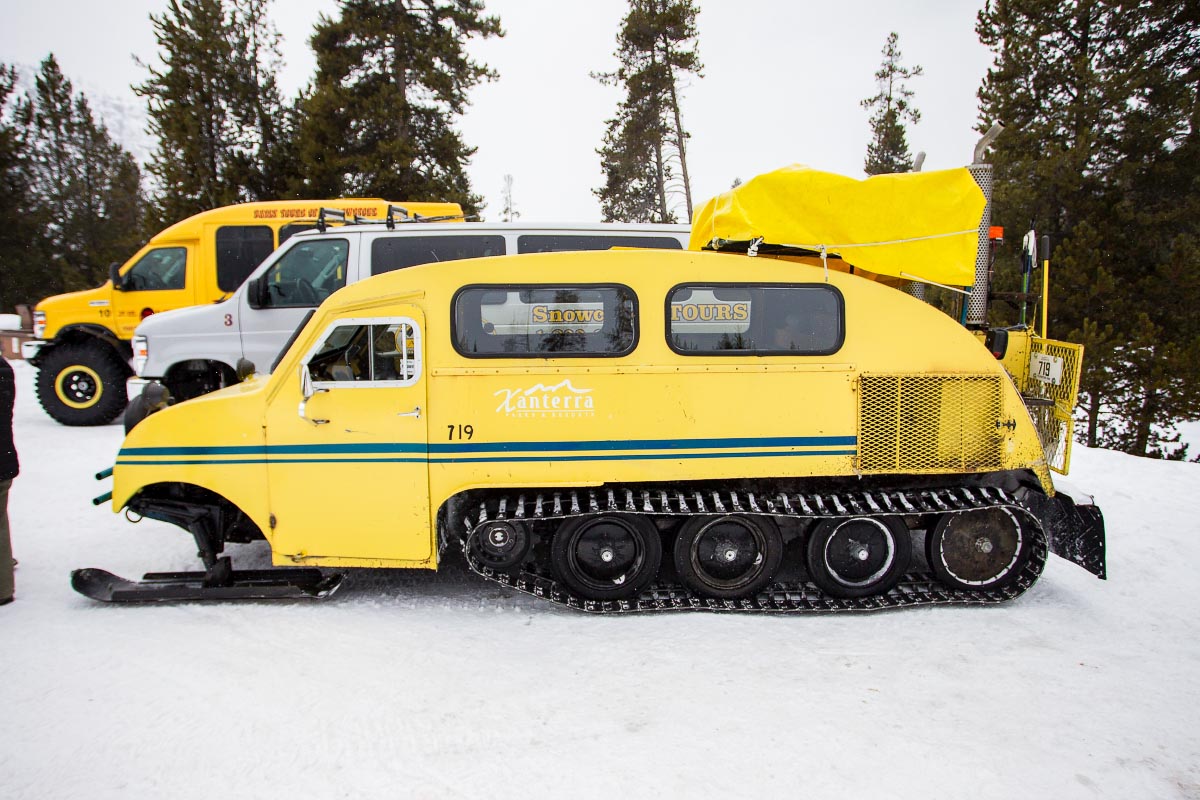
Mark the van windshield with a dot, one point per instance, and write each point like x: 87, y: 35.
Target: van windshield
x: 307, y: 274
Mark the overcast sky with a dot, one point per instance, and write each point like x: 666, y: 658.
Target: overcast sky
x: 782, y: 84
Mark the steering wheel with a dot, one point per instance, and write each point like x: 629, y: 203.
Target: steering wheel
x: 305, y: 293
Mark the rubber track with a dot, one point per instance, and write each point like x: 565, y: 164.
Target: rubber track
x: 915, y: 589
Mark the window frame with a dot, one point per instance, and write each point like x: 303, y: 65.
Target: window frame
x: 242, y: 228
x: 492, y: 240
x: 418, y: 354
x: 283, y: 255
x: 519, y: 287
x: 837, y: 293
x: 127, y: 275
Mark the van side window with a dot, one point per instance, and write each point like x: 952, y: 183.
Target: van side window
x: 390, y: 253
x: 369, y: 351
x: 755, y: 319
x: 516, y: 321
x: 292, y: 228
x: 559, y: 243
x: 241, y: 248
x: 160, y: 269
x: 308, y: 273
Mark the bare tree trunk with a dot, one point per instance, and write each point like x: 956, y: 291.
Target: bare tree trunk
x: 1093, y: 418
x: 680, y: 138
x: 401, y: 75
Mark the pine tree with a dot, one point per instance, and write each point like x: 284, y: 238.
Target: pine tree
x: 24, y: 277
x: 392, y: 76
x: 223, y: 133
x: 86, y: 186
x: 1100, y: 102
x: 644, y: 155
x: 892, y: 107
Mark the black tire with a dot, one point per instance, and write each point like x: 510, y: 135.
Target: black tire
x: 82, y: 383
x: 607, y: 557
x: 858, y: 556
x: 728, y: 557
x: 979, y: 550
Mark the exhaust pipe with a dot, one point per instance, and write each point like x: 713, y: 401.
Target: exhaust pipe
x: 982, y: 173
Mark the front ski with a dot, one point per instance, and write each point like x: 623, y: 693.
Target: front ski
x: 284, y: 583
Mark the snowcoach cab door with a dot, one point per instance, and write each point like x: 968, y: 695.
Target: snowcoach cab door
x: 347, y: 444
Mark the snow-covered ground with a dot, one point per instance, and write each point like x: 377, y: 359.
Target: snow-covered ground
x: 438, y: 685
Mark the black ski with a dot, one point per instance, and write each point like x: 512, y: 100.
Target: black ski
x: 283, y: 583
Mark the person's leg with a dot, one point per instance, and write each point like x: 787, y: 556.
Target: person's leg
x: 6, y: 559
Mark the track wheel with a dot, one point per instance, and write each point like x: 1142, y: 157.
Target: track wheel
x: 82, y: 383
x: 608, y: 557
x: 728, y: 557
x: 501, y: 545
x: 858, y: 556
x: 983, y: 549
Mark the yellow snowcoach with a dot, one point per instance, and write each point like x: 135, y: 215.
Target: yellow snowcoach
x: 777, y: 427
x: 81, y: 349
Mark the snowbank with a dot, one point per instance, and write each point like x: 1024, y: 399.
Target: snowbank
x: 437, y: 685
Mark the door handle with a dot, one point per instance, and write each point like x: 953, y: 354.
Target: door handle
x: 416, y: 412
x: 303, y: 403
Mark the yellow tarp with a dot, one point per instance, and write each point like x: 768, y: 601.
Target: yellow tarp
x: 922, y: 224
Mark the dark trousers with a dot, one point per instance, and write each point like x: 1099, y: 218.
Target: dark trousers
x: 6, y: 561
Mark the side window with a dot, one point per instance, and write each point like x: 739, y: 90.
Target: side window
x: 241, y: 248
x: 390, y: 253
x: 308, y: 273
x: 750, y: 319
x: 369, y: 352
x: 287, y: 231
x: 160, y: 269
x: 559, y: 243
x: 518, y: 321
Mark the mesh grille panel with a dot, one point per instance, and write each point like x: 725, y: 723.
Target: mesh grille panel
x: 929, y: 423
x: 1054, y: 423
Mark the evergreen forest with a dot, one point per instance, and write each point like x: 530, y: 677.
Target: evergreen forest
x: 1101, y: 153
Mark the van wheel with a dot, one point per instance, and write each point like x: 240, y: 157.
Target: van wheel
x: 82, y: 383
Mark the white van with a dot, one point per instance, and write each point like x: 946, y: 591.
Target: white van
x: 195, y: 350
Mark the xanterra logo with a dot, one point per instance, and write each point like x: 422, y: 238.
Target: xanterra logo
x: 559, y: 400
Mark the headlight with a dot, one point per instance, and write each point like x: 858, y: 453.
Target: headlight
x: 39, y: 324
x: 141, y: 353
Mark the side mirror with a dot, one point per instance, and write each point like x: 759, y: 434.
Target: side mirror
x: 114, y: 275
x: 307, y: 391
x: 245, y: 368
x: 254, y: 293
x: 306, y: 384
x: 996, y: 341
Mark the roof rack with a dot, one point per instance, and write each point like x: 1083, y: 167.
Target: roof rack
x: 394, y: 214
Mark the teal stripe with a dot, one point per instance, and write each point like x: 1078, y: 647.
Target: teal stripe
x: 488, y: 459
x: 386, y: 448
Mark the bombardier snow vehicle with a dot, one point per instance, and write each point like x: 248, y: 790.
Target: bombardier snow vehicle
x: 776, y: 427
x: 82, y: 339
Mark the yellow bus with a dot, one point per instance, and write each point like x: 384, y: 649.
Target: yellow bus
x: 81, y: 339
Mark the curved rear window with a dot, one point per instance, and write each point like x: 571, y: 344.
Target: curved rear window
x: 755, y: 319
x: 547, y: 321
